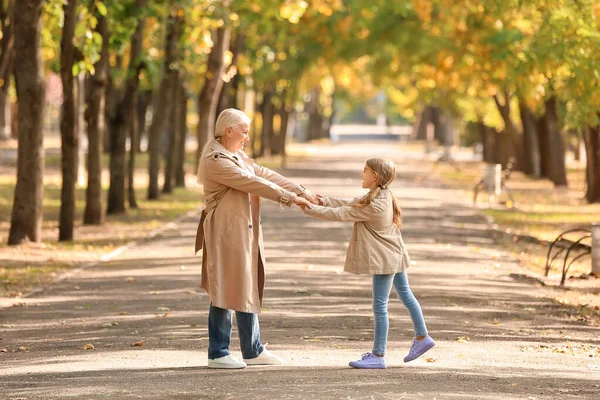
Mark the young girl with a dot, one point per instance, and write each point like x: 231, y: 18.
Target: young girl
x: 376, y: 248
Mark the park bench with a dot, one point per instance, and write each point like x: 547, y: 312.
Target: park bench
x: 494, y: 184
x: 587, y: 243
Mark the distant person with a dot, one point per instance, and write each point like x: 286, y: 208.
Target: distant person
x: 376, y: 248
x: 230, y: 235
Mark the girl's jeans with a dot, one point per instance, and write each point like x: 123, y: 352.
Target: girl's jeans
x: 382, y: 285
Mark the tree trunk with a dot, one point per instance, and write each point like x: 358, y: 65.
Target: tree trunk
x: 133, y: 149
x: 486, y: 135
x: 424, y: 118
x: 508, y: 141
x: 227, y: 95
x: 285, y: 113
x: 143, y: 102
x: 8, y: 40
x: 592, y: 151
x: 254, y: 128
x: 94, y: 116
x: 26, y: 220
x: 5, y: 110
x: 125, y: 114
x: 14, y: 119
x: 531, y: 148
x: 268, y: 113
x: 209, y: 96
x: 552, y: 150
x: 6, y: 63
x: 440, y: 123
x: 112, y: 101
x: 315, y: 118
x: 172, y: 132
x: 182, y: 133
x: 163, y: 104
x: 69, y: 125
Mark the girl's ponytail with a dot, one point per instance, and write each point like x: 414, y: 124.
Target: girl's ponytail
x: 397, y: 212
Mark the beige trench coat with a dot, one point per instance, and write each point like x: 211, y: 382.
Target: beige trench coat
x: 230, y: 232
x: 376, y: 246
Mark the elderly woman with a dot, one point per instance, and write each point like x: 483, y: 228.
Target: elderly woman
x: 231, y: 238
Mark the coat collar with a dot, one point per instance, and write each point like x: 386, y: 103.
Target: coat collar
x: 239, y: 157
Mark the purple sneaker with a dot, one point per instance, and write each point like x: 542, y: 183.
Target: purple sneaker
x: 369, y: 361
x: 419, y: 347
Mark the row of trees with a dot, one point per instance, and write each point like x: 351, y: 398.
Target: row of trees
x: 120, y: 59
x: 523, y: 73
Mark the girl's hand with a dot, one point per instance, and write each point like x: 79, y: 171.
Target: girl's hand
x: 302, y: 202
x: 320, y: 199
x: 308, y: 195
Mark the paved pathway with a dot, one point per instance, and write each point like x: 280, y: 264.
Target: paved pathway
x: 144, y: 314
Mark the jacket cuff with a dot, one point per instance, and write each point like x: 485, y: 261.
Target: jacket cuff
x: 287, y: 198
x: 299, y: 190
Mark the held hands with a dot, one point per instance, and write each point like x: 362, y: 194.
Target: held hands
x: 302, y: 202
x: 308, y: 195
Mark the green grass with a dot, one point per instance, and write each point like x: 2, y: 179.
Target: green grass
x: 539, y: 209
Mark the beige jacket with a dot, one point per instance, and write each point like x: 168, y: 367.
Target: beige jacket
x: 376, y: 246
x: 230, y: 234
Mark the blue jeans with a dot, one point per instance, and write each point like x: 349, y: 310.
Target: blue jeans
x: 382, y: 285
x: 219, y: 333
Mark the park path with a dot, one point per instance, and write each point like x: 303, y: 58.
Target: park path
x: 144, y: 314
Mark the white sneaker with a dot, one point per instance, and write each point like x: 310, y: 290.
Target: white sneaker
x: 226, y: 362
x: 264, y: 358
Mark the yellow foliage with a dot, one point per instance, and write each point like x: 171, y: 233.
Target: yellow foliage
x: 364, y: 33
x: 423, y: 8
x: 344, y: 27
x: 293, y: 10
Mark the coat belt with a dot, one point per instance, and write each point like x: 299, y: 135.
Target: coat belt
x: 211, y: 204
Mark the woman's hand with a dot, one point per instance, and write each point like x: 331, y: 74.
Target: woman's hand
x: 308, y: 195
x: 320, y: 199
x: 302, y: 202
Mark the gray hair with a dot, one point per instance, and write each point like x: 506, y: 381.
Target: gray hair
x: 228, y: 118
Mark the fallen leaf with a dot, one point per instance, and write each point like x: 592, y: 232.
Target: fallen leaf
x: 431, y: 360
x: 89, y: 346
x: 138, y: 344
x: 23, y: 348
x: 193, y: 325
x: 302, y: 291
x: 463, y: 339
x: 163, y: 309
x: 3, y: 351
x: 122, y: 313
x: 130, y: 279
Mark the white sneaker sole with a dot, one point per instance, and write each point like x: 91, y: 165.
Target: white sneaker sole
x: 225, y: 366
x: 264, y: 363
